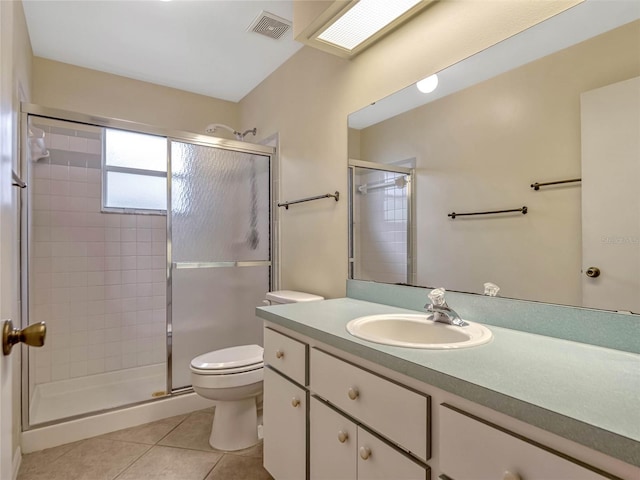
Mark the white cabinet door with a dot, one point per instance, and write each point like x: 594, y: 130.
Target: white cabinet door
x: 284, y: 427
x: 379, y: 461
x: 332, y: 444
x: 472, y: 450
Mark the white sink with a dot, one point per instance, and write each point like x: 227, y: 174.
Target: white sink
x: 417, y: 331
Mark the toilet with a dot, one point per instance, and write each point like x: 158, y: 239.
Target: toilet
x: 232, y: 377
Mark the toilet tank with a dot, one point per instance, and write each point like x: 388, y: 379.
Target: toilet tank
x: 289, y: 296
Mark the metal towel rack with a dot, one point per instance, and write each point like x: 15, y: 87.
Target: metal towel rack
x: 537, y: 185
x: 17, y: 181
x: 308, y: 199
x: 454, y: 214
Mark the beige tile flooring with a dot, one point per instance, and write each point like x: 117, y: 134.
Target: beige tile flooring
x: 175, y: 448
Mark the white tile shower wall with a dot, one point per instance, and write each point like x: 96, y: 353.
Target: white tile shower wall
x: 380, y: 230
x: 97, y: 279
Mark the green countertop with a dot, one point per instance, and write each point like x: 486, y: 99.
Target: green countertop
x: 581, y: 392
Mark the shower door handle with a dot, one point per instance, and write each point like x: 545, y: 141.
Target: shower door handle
x: 33, y: 335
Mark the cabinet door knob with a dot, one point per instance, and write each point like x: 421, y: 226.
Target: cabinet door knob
x: 365, y: 453
x: 342, y: 436
x: 295, y: 402
x: 353, y: 393
x: 510, y: 476
x: 279, y: 354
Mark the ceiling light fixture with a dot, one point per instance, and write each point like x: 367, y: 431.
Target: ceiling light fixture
x: 347, y: 30
x: 428, y: 84
x: 363, y: 20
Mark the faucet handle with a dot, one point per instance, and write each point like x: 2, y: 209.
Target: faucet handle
x: 437, y: 297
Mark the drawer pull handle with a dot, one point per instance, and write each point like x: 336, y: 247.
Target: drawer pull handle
x: 342, y: 436
x: 365, y: 453
x: 279, y: 354
x: 295, y: 402
x: 510, y: 476
x: 353, y: 393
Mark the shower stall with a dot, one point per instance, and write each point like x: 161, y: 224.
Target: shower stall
x: 142, y: 248
x: 381, y: 226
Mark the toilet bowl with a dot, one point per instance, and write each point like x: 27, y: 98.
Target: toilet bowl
x: 232, y: 377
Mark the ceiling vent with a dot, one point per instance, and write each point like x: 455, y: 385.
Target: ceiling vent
x: 270, y: 25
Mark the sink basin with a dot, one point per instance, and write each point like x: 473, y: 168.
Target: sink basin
x: 417, y: 331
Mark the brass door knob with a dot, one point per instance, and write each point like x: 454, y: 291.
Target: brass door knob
x: 343, y: 436
x: 295, y: 401
x: 32, y: 335
x: 593, y: 272
x: 353, y: 393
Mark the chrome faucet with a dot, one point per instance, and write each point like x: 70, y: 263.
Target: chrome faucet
x: 441, y: 311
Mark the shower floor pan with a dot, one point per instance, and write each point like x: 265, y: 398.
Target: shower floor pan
x: 78, y: 396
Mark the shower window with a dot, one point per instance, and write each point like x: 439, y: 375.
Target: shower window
x: 134, y: 172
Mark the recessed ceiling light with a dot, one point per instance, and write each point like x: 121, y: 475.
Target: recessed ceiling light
x: 363, y: 20
x: 429, y: 84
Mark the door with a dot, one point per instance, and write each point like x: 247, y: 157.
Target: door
x: 610, y: 196
x: 285, y: 425
x: 8, y: 262
x: 220, y: 252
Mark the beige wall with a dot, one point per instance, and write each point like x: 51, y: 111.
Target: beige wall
x: 15, y: 82
x: 481, y: 148
x: 307, y: 100
x: 64, y: 86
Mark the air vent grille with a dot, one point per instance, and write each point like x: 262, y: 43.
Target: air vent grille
x: 270, y: 25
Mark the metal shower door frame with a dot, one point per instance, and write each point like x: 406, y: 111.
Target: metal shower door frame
x: 27, y: 109
x: 410, y: 172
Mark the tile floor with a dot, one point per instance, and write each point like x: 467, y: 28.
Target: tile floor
x: 175, y: 448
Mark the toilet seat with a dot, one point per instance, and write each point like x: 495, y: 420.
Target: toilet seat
x: 227, y: 361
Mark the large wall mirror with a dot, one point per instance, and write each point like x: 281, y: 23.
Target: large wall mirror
x: 559, y: 102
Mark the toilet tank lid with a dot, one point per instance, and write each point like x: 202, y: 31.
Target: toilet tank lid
x: 290, y: 296
x: 232, y: 357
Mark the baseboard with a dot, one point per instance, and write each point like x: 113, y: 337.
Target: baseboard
x: 16, y: 462
x: 99, y: 424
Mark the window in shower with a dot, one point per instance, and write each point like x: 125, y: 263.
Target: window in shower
x: 381, y: 225
x: 134, y: 172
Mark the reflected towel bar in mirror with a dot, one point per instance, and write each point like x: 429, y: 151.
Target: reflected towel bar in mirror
x: 335, y: 195
x: 537, y: 185
x: 454, y: 214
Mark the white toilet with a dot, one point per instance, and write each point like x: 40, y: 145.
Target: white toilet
x: 233, y: 378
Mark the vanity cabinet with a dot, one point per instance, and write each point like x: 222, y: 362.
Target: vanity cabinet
x: 341, y: 449
x: 491, y: 452
x: 285, y: 406
x: 330, y: 415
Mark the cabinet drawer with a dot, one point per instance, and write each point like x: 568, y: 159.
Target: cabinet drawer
x: 472, y: 449
x: 286, y: 355
x: 397, y: 413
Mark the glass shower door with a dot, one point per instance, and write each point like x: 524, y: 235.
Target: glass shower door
x: 220, y: 261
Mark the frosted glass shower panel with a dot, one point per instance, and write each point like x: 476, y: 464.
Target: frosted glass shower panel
x: 220, y: 251
x: 214, y: 308
x: 219, y: 204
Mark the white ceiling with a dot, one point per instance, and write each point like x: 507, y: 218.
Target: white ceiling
x: 198, y: 46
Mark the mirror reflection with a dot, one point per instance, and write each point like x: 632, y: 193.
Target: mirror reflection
x: 557, y: 102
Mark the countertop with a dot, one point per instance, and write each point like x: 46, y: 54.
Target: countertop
x: 584, y: 393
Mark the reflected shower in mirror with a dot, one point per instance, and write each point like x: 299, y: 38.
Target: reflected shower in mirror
x: 559, y: 101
